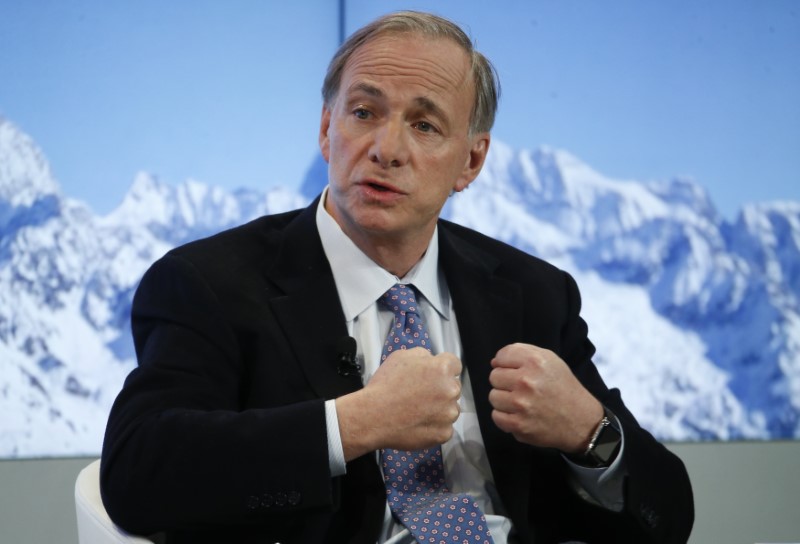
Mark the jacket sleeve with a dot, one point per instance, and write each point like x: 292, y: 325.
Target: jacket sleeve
x: 657, y: 494
x: 184, y: 446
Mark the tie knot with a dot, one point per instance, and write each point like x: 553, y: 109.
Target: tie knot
x: 408, y: 330
x: 400, y: 299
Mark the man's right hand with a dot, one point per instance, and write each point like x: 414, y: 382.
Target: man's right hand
x: 410, y: 403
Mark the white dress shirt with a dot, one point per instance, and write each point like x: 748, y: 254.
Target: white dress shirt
x: 360, y: 282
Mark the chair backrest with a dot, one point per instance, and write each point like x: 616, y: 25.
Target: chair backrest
x: 94, y: 525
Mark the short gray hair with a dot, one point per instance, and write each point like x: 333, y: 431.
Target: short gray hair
x: 484, y: 75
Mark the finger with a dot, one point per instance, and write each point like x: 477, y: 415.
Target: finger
x: 518, y: 355
x: 449, y: 414
x: 448, y: 434
x: 453, y: 389
x: 503, y: 378
x: 504, y: 361
x: 456, y: 366
x: 456, y: 411
x: 504, y: 421
x: 503, y: 401
x: 511, y: 356
x: 450, y: 363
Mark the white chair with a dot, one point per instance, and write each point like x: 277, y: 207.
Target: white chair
x: 94, y: 525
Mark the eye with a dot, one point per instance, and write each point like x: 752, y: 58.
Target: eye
x: 424, y: 126
x: 361, y: 113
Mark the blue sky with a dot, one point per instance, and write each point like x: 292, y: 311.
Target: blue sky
x: 228, y: 92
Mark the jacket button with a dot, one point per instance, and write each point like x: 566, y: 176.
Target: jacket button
x: 294, y: 498
x: 649, y: 516
x: 267, y: 500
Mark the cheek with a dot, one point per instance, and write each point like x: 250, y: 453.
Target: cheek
x: 448, y: 173
x: 434, y: 196
x: 343, y: 148
x: 337, y: 155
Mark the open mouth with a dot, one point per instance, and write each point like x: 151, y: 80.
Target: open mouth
x: 378, y: 187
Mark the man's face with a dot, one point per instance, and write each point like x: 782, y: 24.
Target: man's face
x: 397, y: 140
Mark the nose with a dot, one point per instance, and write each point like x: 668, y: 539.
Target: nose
x: 389, y: 146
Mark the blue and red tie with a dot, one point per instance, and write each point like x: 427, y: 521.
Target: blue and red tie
x: 415, y: 484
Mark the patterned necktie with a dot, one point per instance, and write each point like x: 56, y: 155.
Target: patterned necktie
x: 415, y: 485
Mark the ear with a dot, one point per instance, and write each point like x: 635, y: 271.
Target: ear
x: 324, y: 127
x: 474, y: 162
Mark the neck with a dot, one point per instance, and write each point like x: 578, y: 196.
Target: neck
x: 395, y: 252
x: 397, y: 257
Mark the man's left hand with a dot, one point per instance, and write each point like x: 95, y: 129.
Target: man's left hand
x: 538, y: 399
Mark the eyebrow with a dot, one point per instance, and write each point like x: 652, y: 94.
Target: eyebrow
x: 430, y: 106
x: 423, y: 102
x: 367, y: 89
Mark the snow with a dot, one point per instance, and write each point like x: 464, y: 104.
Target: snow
x: 696, y: 320
x: 667, y: 380
x: 24, y: 172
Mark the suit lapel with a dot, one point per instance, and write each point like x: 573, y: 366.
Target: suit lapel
x: 489, y: 312
x: 309, y: 311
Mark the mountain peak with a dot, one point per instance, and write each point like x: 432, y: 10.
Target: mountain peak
x: 145, y: 201
x: 144, y: 183
x: 25, y: 175
x: 685, y: 192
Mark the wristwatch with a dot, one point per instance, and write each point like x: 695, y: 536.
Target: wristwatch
x: 604, y: 444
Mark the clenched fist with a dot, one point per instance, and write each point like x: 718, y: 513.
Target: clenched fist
x: 410, y: 403
x: 538, y: 399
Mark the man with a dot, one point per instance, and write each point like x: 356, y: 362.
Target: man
x: 247, y: 420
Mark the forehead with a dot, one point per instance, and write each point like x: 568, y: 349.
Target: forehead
x: 437, y: 68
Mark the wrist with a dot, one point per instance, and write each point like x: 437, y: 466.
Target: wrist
x: 356, y: 431
x: 603, y: 445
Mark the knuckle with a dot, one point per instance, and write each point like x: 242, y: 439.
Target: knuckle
x: 527, y: 382
x: 444, y: 435
x: 454, y: 413
x: 520, y: 403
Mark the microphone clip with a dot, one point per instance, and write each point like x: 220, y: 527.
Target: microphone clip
x: 346, y: 357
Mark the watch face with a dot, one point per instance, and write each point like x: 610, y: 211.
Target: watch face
x: 607, y: 444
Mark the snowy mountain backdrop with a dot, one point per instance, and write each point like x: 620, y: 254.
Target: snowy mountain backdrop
x: 696, y: 319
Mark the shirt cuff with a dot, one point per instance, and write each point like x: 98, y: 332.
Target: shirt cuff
x: 336, y: 460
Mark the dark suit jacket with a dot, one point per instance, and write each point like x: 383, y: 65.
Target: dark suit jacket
x: 219, y: 434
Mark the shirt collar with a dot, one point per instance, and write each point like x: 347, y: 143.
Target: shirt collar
x: 360, y: 281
